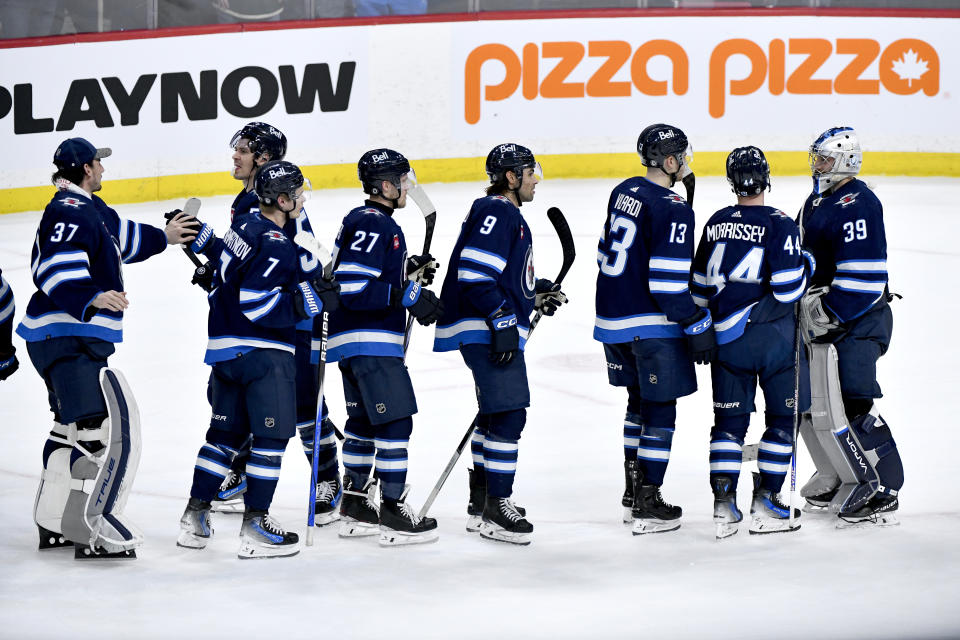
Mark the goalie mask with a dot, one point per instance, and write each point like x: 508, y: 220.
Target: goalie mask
x: 834, y: 156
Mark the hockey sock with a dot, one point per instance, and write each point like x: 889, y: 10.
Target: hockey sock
x: 500, y: 456
x: 726, y: 450
x: 773, y: 456
x: 632, y: 430
x: 327, y: 467
x: 263, y: 472
x: 239, y: 463
x: 476, y: 443
x: 358, y: 450
x: 391, y: 459
x: 213, y: 463
x: 653, y: 451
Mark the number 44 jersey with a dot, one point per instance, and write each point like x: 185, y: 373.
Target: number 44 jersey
x: 645, y: 254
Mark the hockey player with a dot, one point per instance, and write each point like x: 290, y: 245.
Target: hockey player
x: 489, y: 293
x: 71, y: 326
x: 366, y: 338
x: 749, y: 270
x: 253, y: 315
x: 848, y: 307
x: 254, y: 145
x: 651, y: 330
x: 8, y: 353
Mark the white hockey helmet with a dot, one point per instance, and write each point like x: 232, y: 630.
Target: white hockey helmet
x: 840, y: 144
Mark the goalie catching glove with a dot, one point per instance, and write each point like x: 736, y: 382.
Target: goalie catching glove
x: 422, y: 269
x: 549, y: 297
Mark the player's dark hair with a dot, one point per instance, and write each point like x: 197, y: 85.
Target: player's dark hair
x: 73, y: 174
x: 500, y: 187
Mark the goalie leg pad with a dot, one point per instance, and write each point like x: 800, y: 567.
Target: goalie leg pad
x: 102, y: 478
x: 54, y: 486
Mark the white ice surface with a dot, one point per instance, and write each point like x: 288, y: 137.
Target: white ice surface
x: 584, y: 575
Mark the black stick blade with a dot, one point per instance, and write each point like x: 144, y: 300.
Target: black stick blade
x: 566, y: 240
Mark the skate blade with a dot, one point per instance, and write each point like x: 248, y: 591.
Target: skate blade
x: 644, y: 526
x: 53, y: 540
x: 86, y: 553
x: 350, y: 528
x: 390, y: 538
x: 887, y: 520
x: 726, y: 529
x: 758, y: 527
x: 227, y: 506
x: 810, y: 507
x: 474, y: 523
x: 190, y: 541
x: 250, y: 550
x: 502, y: 535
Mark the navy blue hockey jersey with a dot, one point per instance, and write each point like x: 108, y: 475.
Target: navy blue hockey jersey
x: 77, y: 254
x: 7, y: 308
x: 844, y: 231
x: 748, y: 268
x: 644, y: 254
x: 369, y: 257
x: 253, y: 308
x: 491, y: 267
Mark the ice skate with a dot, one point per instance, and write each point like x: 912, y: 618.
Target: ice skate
x: 819, y: 492
x: 630, y: 479
x: 769, y: 515
x: 195, y: 527
x: 726, y: 515
x: 359, y: 515
x: 478, y: 496
x: 230, y: 496
x: 52, y: 540
x: 85, y: 552
x: 400, y: 525
x: 262, y: 537
x: 503, y: 521
x: 651, y: 514
x: 326, y: 510
x: 880, y: 511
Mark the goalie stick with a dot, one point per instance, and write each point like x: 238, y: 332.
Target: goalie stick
x: 429, y: 212
x: 307, y: 241
x: 569, y: 253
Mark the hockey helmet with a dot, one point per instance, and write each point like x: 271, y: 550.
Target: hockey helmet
x: 661, y: 141
x: 747, y: 171
x: 378, y: 165
x: 277, y: 177
x: 510, y: 157
x: 263, y: 138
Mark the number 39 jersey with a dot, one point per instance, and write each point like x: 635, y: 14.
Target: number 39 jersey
x: 644, y: 254
x: 844, y: 231
x: 749, y: 267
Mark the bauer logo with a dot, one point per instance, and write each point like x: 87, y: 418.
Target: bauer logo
x: 621, y: 70
x: 177, y: 95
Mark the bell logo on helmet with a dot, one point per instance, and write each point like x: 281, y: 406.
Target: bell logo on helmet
x: 666, y: 135
x: 380, y: 157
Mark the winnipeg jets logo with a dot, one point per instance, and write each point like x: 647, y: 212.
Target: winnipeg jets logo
x: 275, y: 235
x: 72, y: 202
x: 675, y: 199
x: 848, y: 199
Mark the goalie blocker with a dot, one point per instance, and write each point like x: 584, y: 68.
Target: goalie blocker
x: 100, y: 481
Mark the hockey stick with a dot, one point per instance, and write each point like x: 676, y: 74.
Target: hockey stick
x: 430, y: 219
x: 190, y: 208
x: 309, y: 242
x: 569, y: 253
x: 797, y: 345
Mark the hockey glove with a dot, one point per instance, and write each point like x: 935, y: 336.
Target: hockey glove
x: 504, y: 337
x: 8, y: 366
x: 315, y: 296
x: 203, y: 277
x: 422, y: 269
x: 202, y: 239
x: 549, y: 297
x: 817, y: 324
x: 423, y: 304
x: 701, y: 338
x: 329, y: 292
